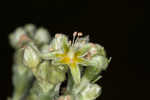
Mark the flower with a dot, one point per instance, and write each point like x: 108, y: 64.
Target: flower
x: 75, y: 53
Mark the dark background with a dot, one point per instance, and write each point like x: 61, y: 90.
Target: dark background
x: 117, y: 25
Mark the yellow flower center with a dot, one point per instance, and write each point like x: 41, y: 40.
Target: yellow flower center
x: 69, y: 58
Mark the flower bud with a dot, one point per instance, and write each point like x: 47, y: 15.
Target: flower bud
x: 49, y: 73
x: 42, y: 71
x: 90, y: 92
x: 30, y: 29
x: 97, y: 49
x: 97, y: 64
x: 55, y: 75
x: 42, y: 36
x: 60, y: 42
x: 16, y: 36
x: 30, y: 58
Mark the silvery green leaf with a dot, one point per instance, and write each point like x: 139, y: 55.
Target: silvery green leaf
x: 31, y: 58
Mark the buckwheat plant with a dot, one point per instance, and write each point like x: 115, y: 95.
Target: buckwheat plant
x: 42, y: 64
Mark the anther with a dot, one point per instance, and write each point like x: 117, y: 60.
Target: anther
x: 80, y: 34
x: 51, y: 49
x: 75, y: 33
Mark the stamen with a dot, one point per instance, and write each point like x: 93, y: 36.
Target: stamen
x: 80, y: 34
x: 74, y: 36
x: 77, y: 39
x: 75, y: 33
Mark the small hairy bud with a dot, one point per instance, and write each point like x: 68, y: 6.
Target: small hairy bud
x: 90, y: 92
x: 15, y: 37
x: 30, y: 58
x: 42, y: 36
x: 30, y: 29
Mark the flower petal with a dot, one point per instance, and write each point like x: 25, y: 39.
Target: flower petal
x: 75, y: 71
x: 83, y: 62
x: 83, y: 50
x: 49, y: 55
x: 60, y: 42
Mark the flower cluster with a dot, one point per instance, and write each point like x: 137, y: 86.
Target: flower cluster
x: 54, y: 61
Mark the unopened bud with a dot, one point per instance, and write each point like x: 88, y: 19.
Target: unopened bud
x: 91, y: 92
x: 97, y: 49
x: 55, y: 75
x: 42, y: 36
x: 15, y: 36
x: 30, y: 28
x: 30, y: 58
x: 97, y: 64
